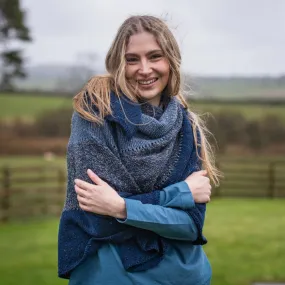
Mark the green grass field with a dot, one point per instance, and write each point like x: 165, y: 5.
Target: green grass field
x: 245, y: 244
x: 12, y: 106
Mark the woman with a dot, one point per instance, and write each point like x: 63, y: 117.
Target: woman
x: 136, y: 194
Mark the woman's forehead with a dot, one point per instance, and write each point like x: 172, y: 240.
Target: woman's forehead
x: 142, y: 43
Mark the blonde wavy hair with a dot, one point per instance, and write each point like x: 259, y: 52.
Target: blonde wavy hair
x: 97, y: 90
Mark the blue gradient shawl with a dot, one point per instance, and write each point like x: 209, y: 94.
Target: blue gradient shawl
x: 138, y: 154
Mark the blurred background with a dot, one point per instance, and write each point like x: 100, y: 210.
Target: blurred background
x: 233, y: 75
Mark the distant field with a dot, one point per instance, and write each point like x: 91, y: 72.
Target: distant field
x: 245, y: 244
x: 239, y: 91
x: 12, y: 106
x: 250, y: 111
x: 239, y: 87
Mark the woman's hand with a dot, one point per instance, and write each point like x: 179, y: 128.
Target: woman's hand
x: 100, y: 198
x: 200, y: 186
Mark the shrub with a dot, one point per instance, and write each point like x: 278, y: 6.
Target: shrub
x: 273, y: 130
x: 55, y: 123
x: 227, y: 128
x: 233, y: 129
x: 253, y: 136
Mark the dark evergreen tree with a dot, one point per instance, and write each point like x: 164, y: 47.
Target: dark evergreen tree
x: 12, y: 28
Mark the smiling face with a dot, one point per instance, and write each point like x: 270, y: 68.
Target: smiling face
x: 147, y: 68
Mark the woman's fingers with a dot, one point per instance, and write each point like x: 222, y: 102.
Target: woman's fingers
x: 81, y: 192
x: 197, y: 173
x: 94, y: 177
x: 83, y: 185
x: 201, y: 172
x: 82, y: 200
x: 84, y: 207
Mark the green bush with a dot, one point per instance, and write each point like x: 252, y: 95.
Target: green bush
x: 272, y: 130
x: 231, y: 128
x: 54, y: 123
x: 227, y: 127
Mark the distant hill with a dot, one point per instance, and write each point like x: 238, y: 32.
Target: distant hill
x: 71, y: 78
x: 238, y: 87
x: 53, y: 77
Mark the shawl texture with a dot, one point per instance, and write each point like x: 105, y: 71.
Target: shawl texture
x: 138, y: 153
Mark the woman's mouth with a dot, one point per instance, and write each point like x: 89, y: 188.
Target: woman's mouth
x: 147, y: 82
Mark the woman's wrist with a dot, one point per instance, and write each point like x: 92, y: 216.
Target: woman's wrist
x: 120, y: 211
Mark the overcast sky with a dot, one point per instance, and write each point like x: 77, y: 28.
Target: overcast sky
x: 216, y: 37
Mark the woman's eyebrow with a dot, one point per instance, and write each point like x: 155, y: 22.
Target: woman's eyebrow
x: 148, y: 53
x: 131, y: 54
x: 154, y: 51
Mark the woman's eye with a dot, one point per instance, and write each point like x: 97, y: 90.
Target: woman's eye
x: 156, y: 56
x: 131, y: 59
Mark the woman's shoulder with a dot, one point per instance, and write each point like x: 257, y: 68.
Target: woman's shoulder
x: 84, y: 130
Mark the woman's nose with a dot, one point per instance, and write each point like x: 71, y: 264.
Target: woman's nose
x: 145, y: 67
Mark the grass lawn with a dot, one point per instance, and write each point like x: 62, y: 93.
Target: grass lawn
x: 246, y: 240
x: 245, y: 244
x: 30, y: 253
x: 12, y: 106
x: 19, y: 106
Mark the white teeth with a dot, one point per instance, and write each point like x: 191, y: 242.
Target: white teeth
x: 146, y: 82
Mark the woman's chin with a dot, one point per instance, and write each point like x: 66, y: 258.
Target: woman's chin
x: 150, y: 96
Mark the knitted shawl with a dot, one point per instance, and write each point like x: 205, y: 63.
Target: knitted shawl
x: 138, y: 154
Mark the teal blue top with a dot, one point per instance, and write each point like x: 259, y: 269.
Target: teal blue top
x: 183, y: 264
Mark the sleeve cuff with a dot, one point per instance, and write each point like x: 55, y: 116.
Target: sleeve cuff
x: 177, y: 195
x: 132, y: 207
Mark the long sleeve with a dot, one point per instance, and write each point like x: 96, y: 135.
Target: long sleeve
x: 166, y: 219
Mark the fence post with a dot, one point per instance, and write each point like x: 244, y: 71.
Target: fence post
x: 61, y: 187
x: 217, y: 192
x: 43, y: 194
x: 6, y: 194
x: 61, y: 180
x: 271, y: 179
